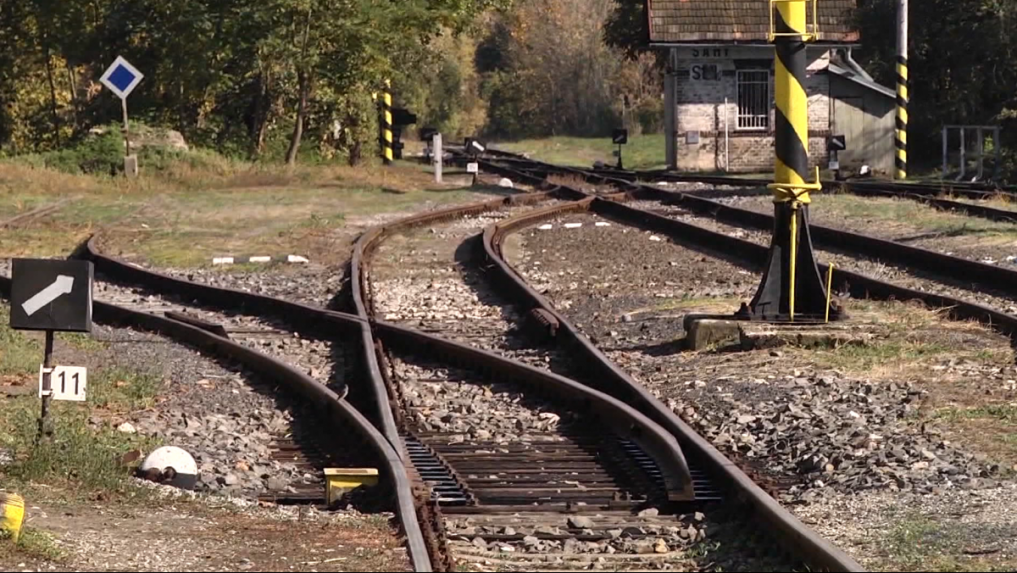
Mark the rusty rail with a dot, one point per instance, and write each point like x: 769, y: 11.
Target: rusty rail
x: 817, y: 551
x: 316, y: 393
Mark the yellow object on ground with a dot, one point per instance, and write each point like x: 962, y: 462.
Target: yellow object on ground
x: 341, y: 480
x: 12, y: 514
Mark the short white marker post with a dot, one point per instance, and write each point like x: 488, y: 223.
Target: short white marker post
x: 437, y: 156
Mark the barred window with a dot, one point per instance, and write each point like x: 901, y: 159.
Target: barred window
x: 753, y: 99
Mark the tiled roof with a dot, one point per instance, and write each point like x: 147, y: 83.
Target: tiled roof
x: 678, y: 21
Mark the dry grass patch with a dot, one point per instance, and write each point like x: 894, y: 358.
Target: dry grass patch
x: 189, y: 212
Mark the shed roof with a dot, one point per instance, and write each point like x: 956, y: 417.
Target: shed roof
x: 738, y: 21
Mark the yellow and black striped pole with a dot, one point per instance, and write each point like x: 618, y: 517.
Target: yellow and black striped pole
x: 386, y: 123
x: 791, y: 285
x: 901, y: 134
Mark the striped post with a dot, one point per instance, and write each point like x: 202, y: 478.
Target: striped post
x: 791, y: 285
x: 792, y: 114
x: 386, y: 123
x: 903, y: 97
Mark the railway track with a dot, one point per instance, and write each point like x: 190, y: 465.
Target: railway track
x: 299, y: 454
x: 454, y: 483
x: 967, y: 289
x: 595, y: 370
x: 941, y: 196
x: 523, y: 481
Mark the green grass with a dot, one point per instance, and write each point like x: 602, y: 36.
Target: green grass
x: 916, y: 543
x: 862, y: 357
x: 123, y: 390
x: 19, y: 355
x: 33, y: 544
x: 184, y: 227
x: 79, y: 455
x: 641, y: 152
x: 1001, y: 412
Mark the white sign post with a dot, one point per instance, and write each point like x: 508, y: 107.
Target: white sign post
x: 121, y: 78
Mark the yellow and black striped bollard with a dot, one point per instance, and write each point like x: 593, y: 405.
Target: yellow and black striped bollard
x: 792, y: 283
x: 903, y: 95
x: 386, y: 123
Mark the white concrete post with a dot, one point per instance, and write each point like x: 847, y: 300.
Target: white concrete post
x: 670, y: 112
x: 436, y: 157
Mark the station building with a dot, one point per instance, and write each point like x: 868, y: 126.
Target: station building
x: 719, y: 93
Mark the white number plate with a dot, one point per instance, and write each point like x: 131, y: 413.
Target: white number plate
x: 66, y: 383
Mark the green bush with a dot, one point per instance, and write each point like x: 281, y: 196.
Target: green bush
x: 650, y: 115
x: 94, y: 154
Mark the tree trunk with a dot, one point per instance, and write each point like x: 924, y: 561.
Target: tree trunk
x: 298, y: 127
x: 259, y: 118
x: 72, y: 83
x: 52, y: 93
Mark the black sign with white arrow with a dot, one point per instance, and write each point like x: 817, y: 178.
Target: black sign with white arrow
x: 51, y: 295
x: 838, y: 143
x: 620, y: 136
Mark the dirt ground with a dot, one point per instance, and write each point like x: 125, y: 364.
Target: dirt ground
x: 186, y: 535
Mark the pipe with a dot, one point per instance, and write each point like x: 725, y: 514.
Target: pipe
x: 727, y: 140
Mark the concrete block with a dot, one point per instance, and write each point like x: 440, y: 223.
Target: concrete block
x: 131, y: 166
x: 703, y: 331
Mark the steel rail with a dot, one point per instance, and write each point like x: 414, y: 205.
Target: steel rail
x: 965, y: 271
x: 662, y: 448
x: 627, y: 421
x: 310, y: 389
x: 309, y: 319
x: 818, y: 552
x: 926, y: 193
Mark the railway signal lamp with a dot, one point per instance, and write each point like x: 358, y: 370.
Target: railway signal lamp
x: 620, y: 137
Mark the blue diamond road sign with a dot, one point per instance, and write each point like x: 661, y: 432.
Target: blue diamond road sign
x: 121, y: 78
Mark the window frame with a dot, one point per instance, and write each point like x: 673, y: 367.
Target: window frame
x: 767, y: 98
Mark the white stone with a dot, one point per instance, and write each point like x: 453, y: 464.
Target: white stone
x: 126, y: 428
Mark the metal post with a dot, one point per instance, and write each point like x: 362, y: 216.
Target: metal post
x: 963, y: 155
x: 670, y: 113
x: 946, y: 149
x: 45, y: 425
x: 386, y: 123
x: 437, y: 157
x: 727, y: 139
x: 792, y: 284
x: 903, y: 83
x: 980, y: 147
x: 127, y: 128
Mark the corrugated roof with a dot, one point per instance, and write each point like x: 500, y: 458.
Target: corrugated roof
x: 692, y: 21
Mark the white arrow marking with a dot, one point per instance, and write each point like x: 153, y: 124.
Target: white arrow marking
x: 61, y: 286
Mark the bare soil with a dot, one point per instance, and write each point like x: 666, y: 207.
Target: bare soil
x: 185, y: 535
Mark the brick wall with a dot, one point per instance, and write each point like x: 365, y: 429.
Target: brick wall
x: 701, y: 109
